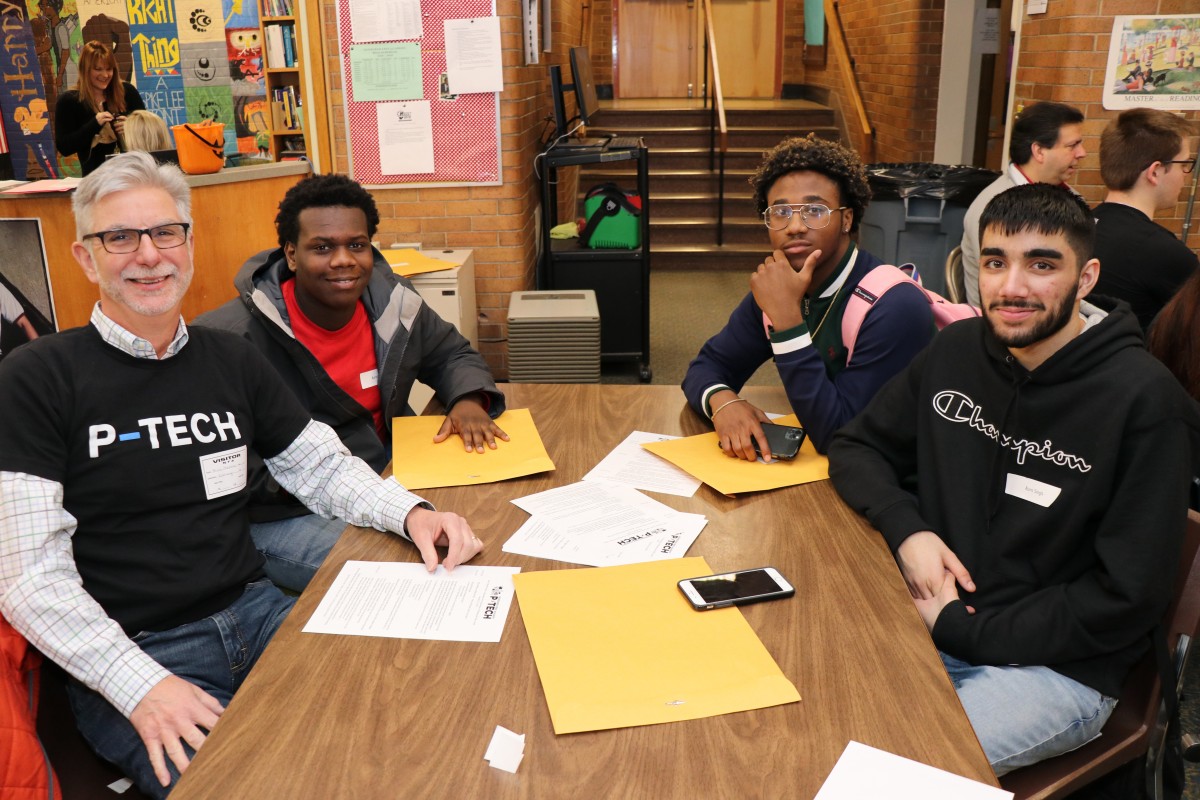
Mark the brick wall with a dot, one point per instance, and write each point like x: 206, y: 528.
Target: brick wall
x: 601, y: 41
x: 497, y: 222
x: 1063, y: 57
x: 896, y: 46
x: 793, y: 42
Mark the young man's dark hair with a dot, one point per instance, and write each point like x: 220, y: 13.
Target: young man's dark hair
x: 840, y: 165
x: 323, y: 191
x: 1135, y: 140
x: 1039, y: 123
x: 1046, y: 209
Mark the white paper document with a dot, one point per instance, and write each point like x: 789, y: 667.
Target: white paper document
x: 473, y: 61
x: 864, y: 771
x: 631, y: 465
x: 405, y: 138
x: 403, y: 601
x: 601, y: 525
x: 385, y: 20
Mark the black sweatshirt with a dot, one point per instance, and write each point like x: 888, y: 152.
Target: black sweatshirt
x: 1064, y: 491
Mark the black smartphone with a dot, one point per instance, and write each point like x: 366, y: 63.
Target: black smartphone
x: 784, y: 440
x: 735, y: 588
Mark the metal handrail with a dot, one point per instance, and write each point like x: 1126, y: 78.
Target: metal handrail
x: 850, y: 78
x: 718, y: 129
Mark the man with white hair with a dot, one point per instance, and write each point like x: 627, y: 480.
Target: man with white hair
x: 125, y: 553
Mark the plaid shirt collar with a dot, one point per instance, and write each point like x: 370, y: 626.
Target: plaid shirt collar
x: 131, y: 343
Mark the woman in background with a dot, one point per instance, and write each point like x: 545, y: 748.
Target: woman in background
x: 1172, y: 340
x: 146, y: 131
x: 1172, y: 336
x: 89, y: 119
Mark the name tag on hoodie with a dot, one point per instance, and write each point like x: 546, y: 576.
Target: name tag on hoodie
x: 1037, y: 492
x: 369, y: 379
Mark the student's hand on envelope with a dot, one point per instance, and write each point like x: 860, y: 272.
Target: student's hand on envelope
x: 735, y: 423
x: 470, y: 420
x: 431, y: 529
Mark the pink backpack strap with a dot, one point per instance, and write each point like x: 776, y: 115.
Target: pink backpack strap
x: 872, y: 287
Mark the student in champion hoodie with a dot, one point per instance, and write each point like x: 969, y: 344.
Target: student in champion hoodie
x: 1030, y: 472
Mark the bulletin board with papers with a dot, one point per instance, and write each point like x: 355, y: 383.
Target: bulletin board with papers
x: 408, y: 120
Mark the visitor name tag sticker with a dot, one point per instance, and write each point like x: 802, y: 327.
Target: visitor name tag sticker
x: 1043, y: 494
x: 224, y: 472
x: 369, y: 379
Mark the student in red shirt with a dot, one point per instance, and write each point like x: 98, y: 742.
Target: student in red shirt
x: 349, y: 337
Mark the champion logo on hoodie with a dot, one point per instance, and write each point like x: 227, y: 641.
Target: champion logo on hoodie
x: 958, y: 407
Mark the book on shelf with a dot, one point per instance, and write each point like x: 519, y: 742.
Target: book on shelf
x: 274, y: 51
x: 278, y: 8
x: 286, y: 103
x: 289, y: 45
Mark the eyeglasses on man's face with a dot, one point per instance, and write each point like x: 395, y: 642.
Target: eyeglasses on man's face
x: 813, y: 215
x: 1188, y: 165
x: 128, y: 240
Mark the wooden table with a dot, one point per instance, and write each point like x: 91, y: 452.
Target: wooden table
x: 341, y: 716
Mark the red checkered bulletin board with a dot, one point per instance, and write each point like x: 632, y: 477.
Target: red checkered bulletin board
x: 466, y: 128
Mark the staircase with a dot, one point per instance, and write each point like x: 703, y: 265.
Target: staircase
x: 683, y: 189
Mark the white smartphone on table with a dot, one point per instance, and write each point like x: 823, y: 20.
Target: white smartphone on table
x: 735, y: 588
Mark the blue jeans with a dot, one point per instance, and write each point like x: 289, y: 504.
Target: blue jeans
x: 295, y: 548
x: 214, y: 653
x: 1023, y: 715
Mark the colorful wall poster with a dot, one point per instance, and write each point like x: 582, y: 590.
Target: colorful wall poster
x: 1152, y: 63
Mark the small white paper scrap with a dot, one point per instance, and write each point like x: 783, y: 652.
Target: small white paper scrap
x: 863, y: 771
x: 121, y: 786
x: 506, y: 749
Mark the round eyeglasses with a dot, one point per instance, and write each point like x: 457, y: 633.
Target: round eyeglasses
x: 128, y: 240
x: 813, y: 215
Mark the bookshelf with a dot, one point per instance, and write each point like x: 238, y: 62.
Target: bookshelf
x: 294, y: 81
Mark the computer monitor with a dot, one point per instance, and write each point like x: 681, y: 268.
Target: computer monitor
x: 585, y: 86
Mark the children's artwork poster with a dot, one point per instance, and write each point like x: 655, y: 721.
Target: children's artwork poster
x: 244, y: 62
x: 1152, y: 62
x: 191, y: 60
x: 23, y: 97
x: 463, y: 129
x: 26, y: 303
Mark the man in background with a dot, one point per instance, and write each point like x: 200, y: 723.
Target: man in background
x: 1046, y: 147
x: 1145, y: 160
x: 349, y: 337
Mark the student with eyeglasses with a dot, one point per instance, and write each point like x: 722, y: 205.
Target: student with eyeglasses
x: 812, y: 194
x: 1145, y: 160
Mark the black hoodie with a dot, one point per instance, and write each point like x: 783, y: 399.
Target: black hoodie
x: 1064, y: 491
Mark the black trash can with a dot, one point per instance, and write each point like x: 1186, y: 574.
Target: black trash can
x: 916, y: 214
